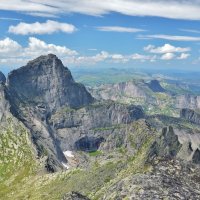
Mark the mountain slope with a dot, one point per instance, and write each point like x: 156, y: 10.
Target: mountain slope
x: 58, y: 142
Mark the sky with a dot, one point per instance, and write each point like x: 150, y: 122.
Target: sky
x: 90, y: 33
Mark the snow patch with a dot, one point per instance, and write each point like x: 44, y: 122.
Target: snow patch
x: 68, y: 154
x: 65, y: 165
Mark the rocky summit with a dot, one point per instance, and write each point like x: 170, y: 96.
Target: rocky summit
x: 46, y: 81
x: 2, y: 78
x: 57, y: 141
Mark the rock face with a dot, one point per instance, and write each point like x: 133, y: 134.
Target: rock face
x: 46, y: 81
x: 155, y: 86
x: 116, y: 91
x: 2, y: 78
x: 37, y: 90
x: 190, y: 115
x: 74, y: 196
x: 85, y: 129
x: 196, y: 157
x: 188, y: 101
x: 167, y: 145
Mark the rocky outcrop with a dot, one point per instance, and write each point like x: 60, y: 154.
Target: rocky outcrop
x: 190, y: 115
x: 167, y: 145
x: 188, y: 101
x: 83, y: 128
x: 196, y: 157
x: 155, y: 86
x: 168, y: 180
x: 37, y: 90
x: 121, y: 91
x: 2, y: 78
x: 74, y: 196
x: 47, y: 82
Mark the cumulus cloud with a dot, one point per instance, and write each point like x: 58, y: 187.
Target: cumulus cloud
x: 38, y: 47
x: 119, y: 29
x: 175, y: 9
x: 171, y: 37
x: 12, y: 53
x: 168, y: 56
x: 48, y: 27
x: 142, y: 58
x: 167, y: 48
x: 8, y: 46
x: 169, y: 51
x: 183, y: 56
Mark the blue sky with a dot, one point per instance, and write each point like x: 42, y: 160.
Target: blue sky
x: 121, y: 33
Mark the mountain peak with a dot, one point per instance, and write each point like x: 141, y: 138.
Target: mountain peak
x: 2, y: 78
x: 45, y: 80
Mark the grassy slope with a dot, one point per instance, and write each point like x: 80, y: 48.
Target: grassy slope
x: 91, y: 182
x: 16, y: 158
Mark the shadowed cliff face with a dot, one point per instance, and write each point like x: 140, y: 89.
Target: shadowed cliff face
x: 190, y: 115
x: 46, y: 81
x: 2, y: 78
x: 155, y: 86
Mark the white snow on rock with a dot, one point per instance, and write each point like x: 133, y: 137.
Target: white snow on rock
x: 65, y: 165
x: 68, y: 154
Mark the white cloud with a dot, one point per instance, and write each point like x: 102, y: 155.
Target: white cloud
x: 48, y: 27
x: 183, y: 56
x: 119, y: 29
x: 168, y: 56
x: 8, y: 46
x: 91, y: 60
x: 171, y: 37
x: 169, y: 52
x: 167, y: 48
x: 10, y: 19
x: 175, y: 9
x: 41, y: 14
x: 13, y: 54
x: 190, y: 30
x: 39, y: 47
x: 143, y: 58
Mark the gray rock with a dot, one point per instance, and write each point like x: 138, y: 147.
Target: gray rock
x: 74, y: 196
x: 119, y: 90
x: 167, y: 145
x: 190, y: 115
x: 188, y: 101
x: 46, y: 81
x: 196, y: 157
x: 2, y: 78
